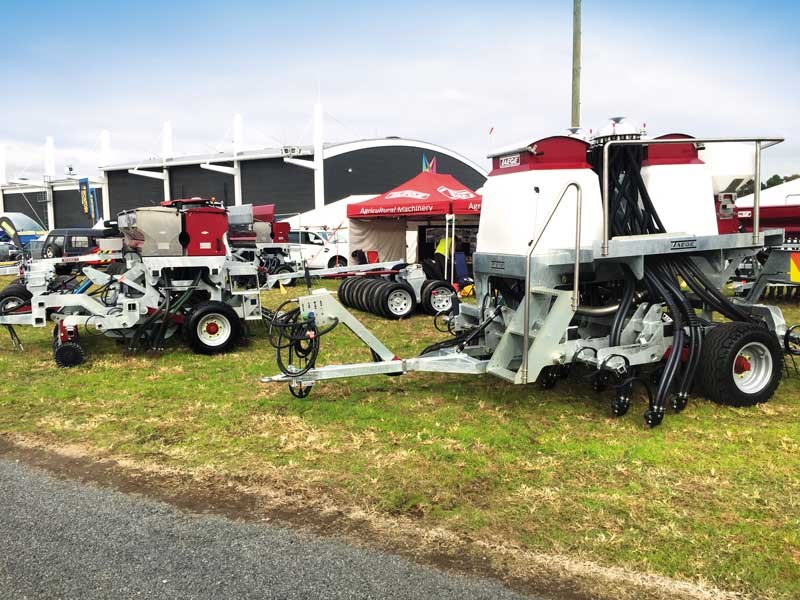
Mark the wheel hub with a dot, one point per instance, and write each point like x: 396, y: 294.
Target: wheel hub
x: 399, y: 302
x: 441, y: 300
x: 742, y: 365
x: 752, y: 368
x: 214, y: 330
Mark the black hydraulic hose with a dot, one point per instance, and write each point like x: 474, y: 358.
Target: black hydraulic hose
x: 703, y: 293
x: 624, y: 307
x: 671, y: 366
x: 693, y: 361
x: 695, y: 331
x: 461, y: 340
x: 154, y: 343
x: 742, y: 315
x: 172, y: 311
x: 299, y: 338
x: 647, y: 203
x: 139, y: 331
x: 145, y: 325
x: 723, y: 307
x: 475, y: 332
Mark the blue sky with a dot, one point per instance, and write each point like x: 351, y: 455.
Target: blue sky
x: 440, y: 71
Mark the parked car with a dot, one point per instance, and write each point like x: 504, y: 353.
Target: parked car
x: 319, y: 247
x: 74, y: 241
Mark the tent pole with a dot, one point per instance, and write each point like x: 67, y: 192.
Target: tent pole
x: 446, y: 238
x: 453, y: 251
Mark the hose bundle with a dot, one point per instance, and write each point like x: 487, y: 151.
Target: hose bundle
x: 154, y: 330
x: 631, y: 212
x: 295, y: 337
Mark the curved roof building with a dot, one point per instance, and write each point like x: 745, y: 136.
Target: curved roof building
x: 277, y: 176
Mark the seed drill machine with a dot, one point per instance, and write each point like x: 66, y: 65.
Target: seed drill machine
x: 172, y: 271
x: 602, y: 255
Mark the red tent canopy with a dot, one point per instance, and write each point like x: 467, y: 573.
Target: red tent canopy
x: 427, y: 194
x: 467, y: 206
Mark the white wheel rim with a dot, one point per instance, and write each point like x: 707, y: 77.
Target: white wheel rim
x: 441, y: 299
x: 752, y: 368
x: 49, y: 252
x: 399, y: 303
x: 214, y: 329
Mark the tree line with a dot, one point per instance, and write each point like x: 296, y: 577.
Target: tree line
x: 748, y: 188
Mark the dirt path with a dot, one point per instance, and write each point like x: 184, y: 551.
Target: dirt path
x: 548, y: 576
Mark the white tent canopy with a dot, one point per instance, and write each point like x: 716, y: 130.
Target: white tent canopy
x: 779, y: 195
x: 387, y: 237
x: 330, y: 216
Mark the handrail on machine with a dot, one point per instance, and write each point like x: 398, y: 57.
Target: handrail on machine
x: 576, y: 279
x: 761, y: 144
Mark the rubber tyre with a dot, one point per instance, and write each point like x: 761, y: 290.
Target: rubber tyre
x: 213, y: 312
x: 348, y: 291
x: 368, y: 295
x: 355, y: 293
x: 341, y: 260
x: 428, y: 290
x: 15, y: 293
x: 50, y: 251
x: 341, y: 292
x: 286, y: 269
x: 375, y: 304
x: 720, y: 349
x: 391, y: 290
x: 365, y: 294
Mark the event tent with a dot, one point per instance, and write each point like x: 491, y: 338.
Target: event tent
x: 427, y: 194
x: 387, y: 223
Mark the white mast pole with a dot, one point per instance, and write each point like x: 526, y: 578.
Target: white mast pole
x: 166, y: 152
x: 238, y: 141
x: 319, y: 150
x: 105, y: 160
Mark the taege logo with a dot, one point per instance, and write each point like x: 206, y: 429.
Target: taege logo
x: 507, y: 162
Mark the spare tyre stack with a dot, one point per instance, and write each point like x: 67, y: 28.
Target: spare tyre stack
x: 379, y: 296
x: 394, y: 299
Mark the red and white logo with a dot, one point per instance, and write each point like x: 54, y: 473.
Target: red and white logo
x: 413, y: 194
x: 455, y: 194
x: 506, y: 162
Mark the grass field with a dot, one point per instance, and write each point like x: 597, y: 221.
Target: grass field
x: 712, y: 495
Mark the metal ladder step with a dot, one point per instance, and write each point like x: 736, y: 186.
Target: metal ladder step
x: 503, y: 373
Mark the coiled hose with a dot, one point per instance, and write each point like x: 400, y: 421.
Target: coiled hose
x: 296, y: 339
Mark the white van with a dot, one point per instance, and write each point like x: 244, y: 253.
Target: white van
x: 322, y: 248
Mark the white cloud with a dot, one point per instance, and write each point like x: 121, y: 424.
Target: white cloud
x: 514, y: 80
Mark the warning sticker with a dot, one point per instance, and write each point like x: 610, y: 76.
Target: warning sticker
x: 794, y: 267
